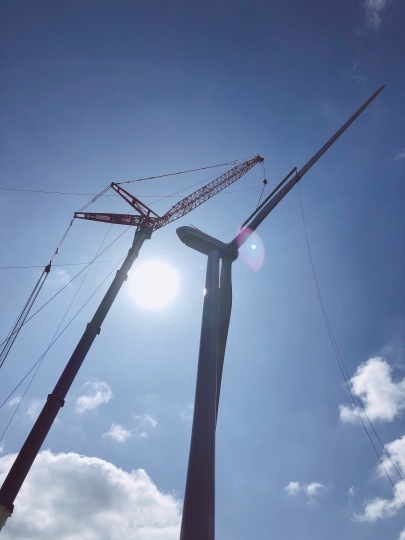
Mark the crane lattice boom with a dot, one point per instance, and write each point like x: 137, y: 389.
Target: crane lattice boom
x: 150, y: 220
x: 190, y: 202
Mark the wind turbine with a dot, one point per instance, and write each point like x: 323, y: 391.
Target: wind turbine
x: 198, y: 521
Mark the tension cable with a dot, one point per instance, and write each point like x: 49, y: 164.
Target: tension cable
x: 344, y: 371
x: 19, y: 323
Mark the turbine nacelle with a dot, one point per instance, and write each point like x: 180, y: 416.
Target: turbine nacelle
x: 204, y: 243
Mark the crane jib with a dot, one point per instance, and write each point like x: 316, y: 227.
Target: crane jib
x: 152, y: 221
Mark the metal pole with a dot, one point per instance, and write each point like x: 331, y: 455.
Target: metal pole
x: 198, y: 522
x: 20, y: 468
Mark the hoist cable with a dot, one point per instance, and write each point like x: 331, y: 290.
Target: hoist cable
x: 52, y: 192
x: 344, y: 370
x: 15, y: 330
x: 261, y: 194
x: 39, y: 363
x: 59, y: 335
x: 36, y: 363
x: 22, y: 317
x: 50, y: 345
x: 67, y: 284
x: 264, y: 183
x: 106, y: 195
x: 268, y: 197
x: 94, y: 199
x: 235, y: 161
x: 62, y: 240
x: 125, y: 182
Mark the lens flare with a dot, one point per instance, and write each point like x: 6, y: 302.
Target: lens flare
x: 251, y: 249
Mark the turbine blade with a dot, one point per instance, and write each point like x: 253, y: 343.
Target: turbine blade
x: 272, y: 203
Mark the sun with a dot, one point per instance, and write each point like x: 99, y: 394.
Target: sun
x: 153, y: 284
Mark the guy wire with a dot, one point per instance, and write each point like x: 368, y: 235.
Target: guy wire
x: 343, y: 368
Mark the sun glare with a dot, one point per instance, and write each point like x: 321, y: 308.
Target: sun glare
x: 153, y: 284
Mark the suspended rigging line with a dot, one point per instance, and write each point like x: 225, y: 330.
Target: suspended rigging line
x: 183, y: 172
x: 264, y: 184
x: 180, y: 196
x: 55, y: 265
x: 125, y: 182
x: 59, y: 335
x: 196, y: 184
x: 22, y: 317
x: 51, y: 345
x: 67, y: 284
x: 15, y: 330
x: 115, y: 260
x: 118, y: 261
x: 110, y: 260
x: 39, y: 363
x: 94, y: 199
x: 51, y: 192
x: 112, y: 195
x: 344, y: 371
x: 261, y: 194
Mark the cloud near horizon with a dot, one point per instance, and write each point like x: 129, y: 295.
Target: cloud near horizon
x: 87, y: 498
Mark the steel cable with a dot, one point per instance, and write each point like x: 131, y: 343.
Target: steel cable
x: 39, y: 361
x: 344, y: 371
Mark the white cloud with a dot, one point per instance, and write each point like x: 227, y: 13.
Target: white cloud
x: 400, y: 155
x: 311, y: 489
x: 34, y: 408
x: 396, y: 451
x: 380, y: 508
x: 68, y: 496
x: 98, y: 393
x: 382, y: 397
x: 293, y: 488
x: 118, y: 433
x: 374, y: 9
x: 351, y: 491
x: 145, y: 423
x: 1, y: 448
x: 14, y: 401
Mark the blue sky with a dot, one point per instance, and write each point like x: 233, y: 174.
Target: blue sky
x: 95, y: 92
